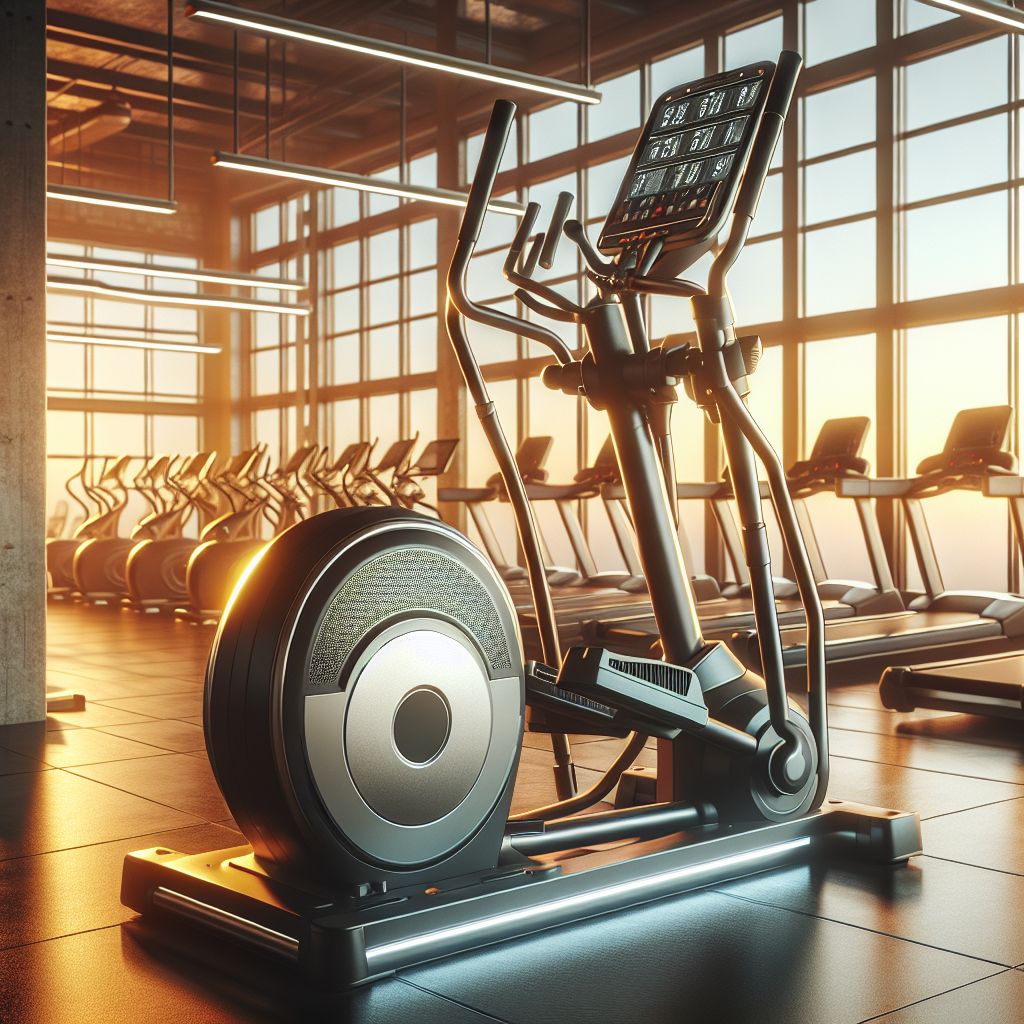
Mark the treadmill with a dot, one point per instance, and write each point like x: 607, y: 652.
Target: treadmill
x: 959, y: 623
x: 992, y: 685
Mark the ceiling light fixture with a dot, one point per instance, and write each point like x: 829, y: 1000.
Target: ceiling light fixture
x: 287, y: 28
x: 174, y: 273
x: 164, y: 346
x: 65, y: 284
x: 989, y: 10
x: 96, y: 197
x: 342, y: 179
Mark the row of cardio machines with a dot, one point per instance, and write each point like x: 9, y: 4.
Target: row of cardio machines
x: 367, y: 692
x: 870, y: 626
x: 157, y: 568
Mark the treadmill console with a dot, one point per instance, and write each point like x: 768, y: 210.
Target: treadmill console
x: 978, y: 438
x: 686, y: 169
x: 836, y: 451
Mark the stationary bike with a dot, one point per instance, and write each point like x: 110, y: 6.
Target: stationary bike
x: 366, y: 694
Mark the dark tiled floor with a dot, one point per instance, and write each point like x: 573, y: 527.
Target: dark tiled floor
x: 939, y: 940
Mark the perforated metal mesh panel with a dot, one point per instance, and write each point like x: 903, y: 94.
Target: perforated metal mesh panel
x: 410, y: 579
x: 668, y: 677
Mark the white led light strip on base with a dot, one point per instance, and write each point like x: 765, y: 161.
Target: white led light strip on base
x: 551, y: 908
x: 174, y: 273
x: 97, y: 197
x: 342, y: 179
x: 286, y: 28
x: 65, y: 284
x: 163, y: 346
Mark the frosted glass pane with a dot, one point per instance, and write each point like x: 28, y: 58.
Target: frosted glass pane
x: 167, y: 318
x: 114, y: 433
x: 839, y: 268
x: 749, y: 45
x: 670, y: 315
x: 755, y: 283
x: 175, y: 434
x: 345, y: 311
x: 919, y: 15
x: 65, y: 366
x: 956, y: 83
x: 546, y: 193
x: 383, y: 422
x: 499, y: 229
x: 839, y: 188
x: 619, y: 109
x: 940, y: 262
x: 383, y: 298
x: 677, y: 70
x: 345, y: 424
x: 266, y: 228
x: 344, y: 206
x: 266, y: 329
x: 956, y: 159
x: 935, y: 393
x: 384, y: 352
x: 65, y: 435
x: 423, y: 416
x: 836, y: 27
x: 346, y: 359
x: 118, y: 314
x: 266, y: 427
x: 384, y: 254
x: 423, y: 292
x: 345, y: 265
x: 839, y: 118
x: 490, y: 344
x: 118, y: 369
x: 422, y: 244
x: 553, y: 131
x: 175, y: 373
x: 839, y: 380
x: 484, y: 279
x: 377, y: 203
x: 266, y: 370
x: 423, y: 170
x: 67, y: 309
x: 423, y: 345
x: 603, y: 182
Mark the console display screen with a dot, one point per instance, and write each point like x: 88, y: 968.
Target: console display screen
x: 690, y: 146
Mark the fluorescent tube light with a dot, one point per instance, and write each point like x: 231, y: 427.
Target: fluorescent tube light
x: 342, y: 179
x: 986, y: 9
x: 165, y: 346
x: 583, y: 899
x: 175, y: 273
x: 70, y: 284
x: 287, y: 28
x: 99, y: 198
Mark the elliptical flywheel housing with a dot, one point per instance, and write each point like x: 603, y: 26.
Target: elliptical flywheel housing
x: 365, y: 701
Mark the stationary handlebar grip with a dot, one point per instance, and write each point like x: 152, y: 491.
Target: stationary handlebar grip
x: 561, y: 211
x: 780, y: 92
x: 498, y: 127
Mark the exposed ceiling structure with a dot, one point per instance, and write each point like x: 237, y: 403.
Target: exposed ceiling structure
x: 107, y: 79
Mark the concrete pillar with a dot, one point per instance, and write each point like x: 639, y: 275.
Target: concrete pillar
x: 23, y: 359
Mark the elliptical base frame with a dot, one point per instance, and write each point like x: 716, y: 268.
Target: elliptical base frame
x: 337, y: 940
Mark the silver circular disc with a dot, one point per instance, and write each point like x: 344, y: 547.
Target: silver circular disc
x: 395, y: 788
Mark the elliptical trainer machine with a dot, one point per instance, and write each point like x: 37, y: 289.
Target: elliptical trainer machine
x: 366, y: 693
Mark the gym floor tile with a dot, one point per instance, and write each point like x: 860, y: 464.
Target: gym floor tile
x: 995, y: 1000
x: 923, y: 902
x: 168, y: 733
x: 162, y: 705
x: 885, y: 723
x: 12, y: 763
x: 699, y: 957
x: 989, y: 837
x: 177, y: 780
x: 55, y: 810
x: 911, y: 789
x: 937, y: 755
x: 66, y: 748
x: 91, y: 717
x: 75, y: 890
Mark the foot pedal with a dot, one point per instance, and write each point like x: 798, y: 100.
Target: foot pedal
x: 542, y: 690
x: 656, y: 690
